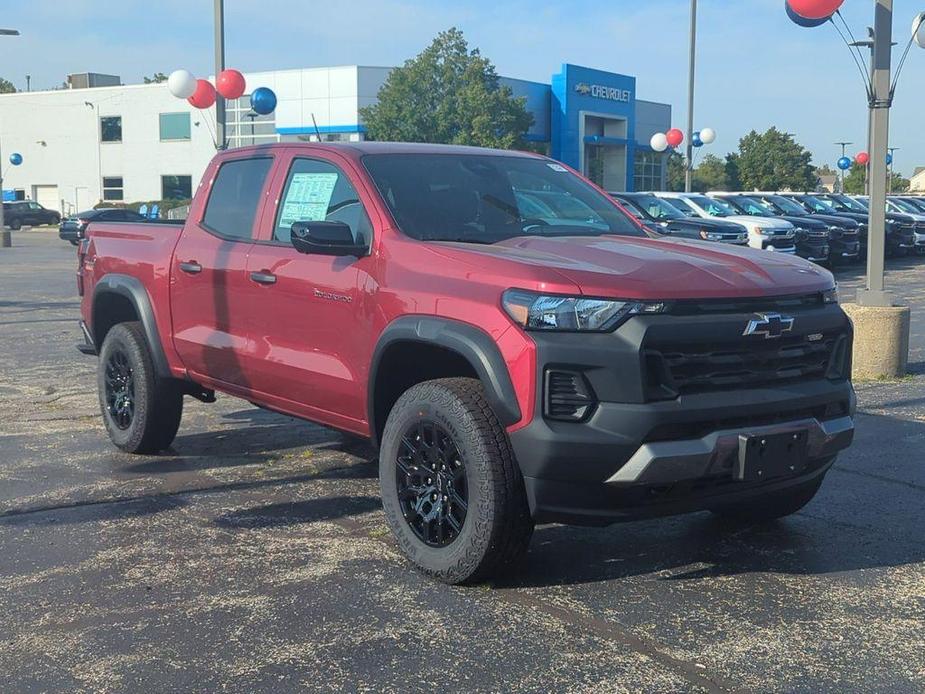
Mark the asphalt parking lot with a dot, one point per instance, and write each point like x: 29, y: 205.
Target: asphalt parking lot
x: 254, y: 556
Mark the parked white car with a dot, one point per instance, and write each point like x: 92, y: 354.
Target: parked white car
x: 766, y: 233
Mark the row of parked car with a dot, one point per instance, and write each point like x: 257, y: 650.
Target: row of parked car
x: 826, y: 228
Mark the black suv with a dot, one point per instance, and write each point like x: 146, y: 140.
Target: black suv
x: 661, y: 217
x: 24, y: 213
x: 72, y: 228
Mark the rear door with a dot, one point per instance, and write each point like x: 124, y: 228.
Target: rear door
x: 307, y: 311
x: 209, y: 274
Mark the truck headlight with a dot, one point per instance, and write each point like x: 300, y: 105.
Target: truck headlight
x: 763, y: 231
x: 830, y: 296
x: 534, y: 311
x: 710, y: 235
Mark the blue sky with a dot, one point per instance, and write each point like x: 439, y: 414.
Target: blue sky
x: 755, y: 68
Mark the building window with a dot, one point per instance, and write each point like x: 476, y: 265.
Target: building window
x: 176, y: 187
x: 245, y: 128
x: 175, y: 126
x: 112, y: 188
x: 111, y: 129
x: 647, y: 171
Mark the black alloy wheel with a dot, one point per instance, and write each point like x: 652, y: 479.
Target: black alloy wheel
x: 432, y: 485
x: 120, y: 389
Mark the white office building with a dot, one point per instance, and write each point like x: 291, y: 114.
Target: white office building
x: 138, y: 143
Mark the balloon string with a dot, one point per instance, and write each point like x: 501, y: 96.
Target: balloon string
x: 858, y: 62
x: 205, y: 117
x: 902, y: 61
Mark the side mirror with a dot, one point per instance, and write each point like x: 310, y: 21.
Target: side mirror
x: 326, y: 238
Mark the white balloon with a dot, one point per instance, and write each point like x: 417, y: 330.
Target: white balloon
x: 707, y: 136
x: 181, y: 84
x: 918, y: 29
x: 659, y: 142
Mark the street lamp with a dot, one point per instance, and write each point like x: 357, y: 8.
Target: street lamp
x: 689, y: 169
x: 891, y: 150
x: 842, y: 171
x: 5, y: 237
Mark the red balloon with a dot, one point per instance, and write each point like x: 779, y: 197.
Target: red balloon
x: 862, y: 158
x: 815, y: 9
x: 675, y: 137
x: 230, y: 84
x: 204, y: 96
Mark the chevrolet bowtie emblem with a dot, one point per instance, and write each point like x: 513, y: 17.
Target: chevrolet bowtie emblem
x: 771, y: 325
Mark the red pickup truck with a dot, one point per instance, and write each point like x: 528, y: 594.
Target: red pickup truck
x: 516, y: 346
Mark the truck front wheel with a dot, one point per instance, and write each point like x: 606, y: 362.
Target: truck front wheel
x: 141, y: 411
x: 784, y: 502
x: 451, y: 489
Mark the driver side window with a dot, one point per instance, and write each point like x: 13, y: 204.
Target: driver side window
x: 318, y: 191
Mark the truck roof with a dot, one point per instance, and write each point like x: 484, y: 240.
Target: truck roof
x: 358, y: 149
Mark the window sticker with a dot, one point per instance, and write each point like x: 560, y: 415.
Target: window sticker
x: 308, y: 198
x: 557, y: 167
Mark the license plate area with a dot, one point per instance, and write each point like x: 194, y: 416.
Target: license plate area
x: 768, y: 456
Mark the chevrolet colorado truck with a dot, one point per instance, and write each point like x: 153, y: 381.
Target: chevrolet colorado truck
x: 517, y: 348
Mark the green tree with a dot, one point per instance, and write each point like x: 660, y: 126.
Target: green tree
x: 448, y: 94
x: 710, y: 174
x: 855, y: 179
x: 732, y: 171
x: 898, y: 184
x: 156, y: 78
x: 675, y: 181
x: 773, y: 160
x: 6, y: 87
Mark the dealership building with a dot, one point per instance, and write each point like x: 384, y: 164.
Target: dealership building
x: 100, y: 140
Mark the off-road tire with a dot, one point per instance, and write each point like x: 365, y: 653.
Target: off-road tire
x: 158, y: 403
x: 784, y: 502
x: 498, y: 526
x: 15, y: 225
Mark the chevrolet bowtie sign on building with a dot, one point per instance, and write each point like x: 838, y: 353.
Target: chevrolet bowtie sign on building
x: 599, y: 91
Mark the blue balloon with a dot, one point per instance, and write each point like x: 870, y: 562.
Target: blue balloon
x: 263, y: 100
x: 804, y: 21
x: 844, y: 163
x: 889, y: 159
x: 696, y: 141
x: 16, y: 159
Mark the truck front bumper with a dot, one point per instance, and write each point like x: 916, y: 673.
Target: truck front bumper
x: 638, y: 456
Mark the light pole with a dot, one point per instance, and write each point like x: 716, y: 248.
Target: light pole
x: 6, y: 239
x: 842, y: 171
x: 891, y: 150
x: 99, y: 145
x: 219, y: 66
x: 689, y: 167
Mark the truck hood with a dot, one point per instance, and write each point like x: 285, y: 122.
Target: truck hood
x: 766, y: 222
x: 667, y: 268
x: 714, y: 224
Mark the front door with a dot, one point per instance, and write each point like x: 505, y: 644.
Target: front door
x: 209, y: 275
x: 310, y: 332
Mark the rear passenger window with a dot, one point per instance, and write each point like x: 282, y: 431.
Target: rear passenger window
x: 235, y: 196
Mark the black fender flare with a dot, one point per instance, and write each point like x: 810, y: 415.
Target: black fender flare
x: 472, y: 343
x: 132, y: 289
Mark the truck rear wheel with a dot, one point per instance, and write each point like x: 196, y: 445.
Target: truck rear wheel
x: 141, y: 411
x: 771, y: 506
x: 451, y: 489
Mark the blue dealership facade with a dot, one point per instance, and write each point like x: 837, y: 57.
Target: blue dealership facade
x: 592, y: 121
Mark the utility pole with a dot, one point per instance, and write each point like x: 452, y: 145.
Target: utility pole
x: 28, y: 83
x: 891, y: 150
x: 880, y: 102
x: 842, y: 171
x: 219, y: 66
x: 689, y: 165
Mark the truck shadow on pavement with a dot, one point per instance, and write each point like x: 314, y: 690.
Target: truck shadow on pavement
x: 297, y: 512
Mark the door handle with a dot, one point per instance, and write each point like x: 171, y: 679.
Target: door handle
x: 191, y: 267
x: 263, y: 277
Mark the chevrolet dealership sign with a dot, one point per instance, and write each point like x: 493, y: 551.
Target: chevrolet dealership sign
x: 599, y: 91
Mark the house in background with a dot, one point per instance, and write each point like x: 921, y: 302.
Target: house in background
x: 917, y: 182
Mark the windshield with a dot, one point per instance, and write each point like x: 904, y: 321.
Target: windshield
x: 902, y: 206
x: 787, y: 206
x: 477, y: 198
x: 747, y: 205
x: 848, y: 204
x: 657, y: 208
x: 681, y: 206
x: 714, y: 207
x: 919, y: 205
x: 818, y: 204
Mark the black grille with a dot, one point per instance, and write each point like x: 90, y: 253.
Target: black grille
x: 568, y: 396
x: 750, y: 362
x: 748, y: 305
